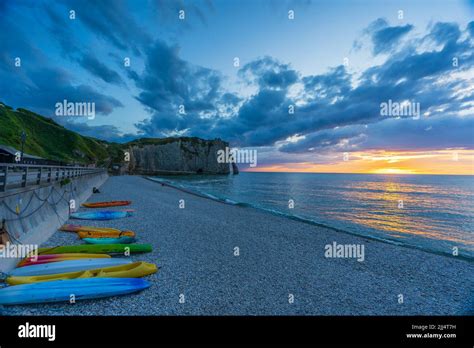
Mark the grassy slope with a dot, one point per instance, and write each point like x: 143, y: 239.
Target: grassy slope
x: 48, y: 139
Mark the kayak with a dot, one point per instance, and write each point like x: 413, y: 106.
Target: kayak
x: 61, y: 291
x: 132, y: 270
x: 99, y: 234
x: 102, y: 215
x: 120, y: 240
x: 67, y: 266
x: 39, y: 259
x: 97, y: 249
x: 80, y: 228
x: 95, y: 232
x: 106, y: 204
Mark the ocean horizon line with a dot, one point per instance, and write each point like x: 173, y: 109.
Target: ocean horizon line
x: 389, y: 174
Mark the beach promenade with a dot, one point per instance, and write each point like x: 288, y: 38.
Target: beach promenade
x: 279, y: 267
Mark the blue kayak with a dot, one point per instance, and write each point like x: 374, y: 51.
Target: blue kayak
x: 102, y: 215
x: 61, y: 290
x: 119, y: 240
x: 67, y: 266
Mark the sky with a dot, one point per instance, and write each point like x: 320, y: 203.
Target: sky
x: 301, y: 82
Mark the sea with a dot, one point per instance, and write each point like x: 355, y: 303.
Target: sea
x: 434, y: 213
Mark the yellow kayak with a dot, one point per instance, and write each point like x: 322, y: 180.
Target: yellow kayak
x: 81, y: 228
x: 39, y: 259
x: 102, y: 234
x: 130, y: 270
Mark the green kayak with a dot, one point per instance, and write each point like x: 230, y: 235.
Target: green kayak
x: 97, y: 249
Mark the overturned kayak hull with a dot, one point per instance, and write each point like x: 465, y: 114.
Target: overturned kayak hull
x: 40, y: 259
x: 97, y: 249
x: 132, y: 270
x: 106, y: 204
x: 102, y: 215
x: 120, y: 240
x: 67, y: 266
x: 61, y: 291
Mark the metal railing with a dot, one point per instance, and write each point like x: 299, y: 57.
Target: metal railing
x: 21, y: 175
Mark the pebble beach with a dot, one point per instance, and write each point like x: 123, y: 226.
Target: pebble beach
x: 220, y: 259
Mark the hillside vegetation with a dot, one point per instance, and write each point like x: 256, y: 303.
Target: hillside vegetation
x: 47, y: 139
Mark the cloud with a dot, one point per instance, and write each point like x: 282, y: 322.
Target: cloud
x: 470, y: 28
x: 385, y: 37
x: 442, y: 33
x: 333, y: 100
x: 334, y: 110
x: 269, y: 73
x: 111, y: 21
x: 49, y: 86
x: 168, y: 81
x: 64, y: 31
x: 93, y: 65
x: 37, y: 84
x: 426, y: 133
x: 103, y: 132
x: 325, y: 101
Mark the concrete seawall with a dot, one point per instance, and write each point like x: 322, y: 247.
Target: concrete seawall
x: 34, y: 213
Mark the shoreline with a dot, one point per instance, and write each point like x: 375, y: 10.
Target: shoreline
x: 278, y: 257
x: 307, y: 220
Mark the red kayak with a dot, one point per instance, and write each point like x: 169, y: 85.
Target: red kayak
x: 106, y: 204
x: 42, y: 259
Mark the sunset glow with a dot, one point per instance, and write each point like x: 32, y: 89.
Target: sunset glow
x: 457, y: 162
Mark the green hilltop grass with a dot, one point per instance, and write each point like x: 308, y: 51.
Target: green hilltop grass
x: 47, y: 139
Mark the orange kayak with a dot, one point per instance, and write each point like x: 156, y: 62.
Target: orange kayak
x: 105, y: 234
x: 106, y: 204
x: 80, y: 228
